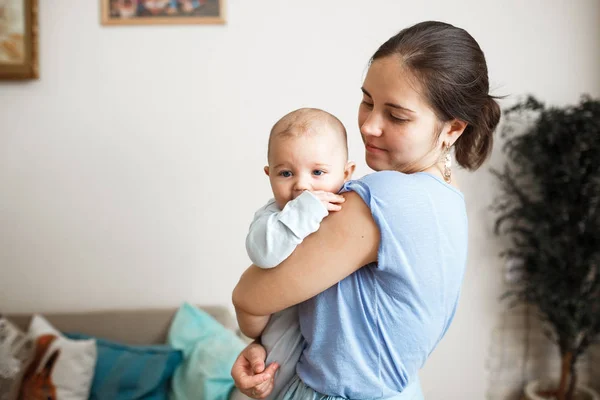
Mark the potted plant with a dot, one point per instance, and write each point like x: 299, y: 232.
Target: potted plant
x: 549, y: 206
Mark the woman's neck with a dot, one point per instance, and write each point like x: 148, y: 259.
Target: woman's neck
x: 437, y: 170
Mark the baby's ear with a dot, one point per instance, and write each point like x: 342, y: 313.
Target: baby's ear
x: 349, y: 170
x: 266, y: 170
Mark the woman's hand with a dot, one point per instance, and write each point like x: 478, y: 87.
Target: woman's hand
x: 250, y: 375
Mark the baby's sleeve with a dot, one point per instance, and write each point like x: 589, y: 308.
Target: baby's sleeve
x: 274, y: 234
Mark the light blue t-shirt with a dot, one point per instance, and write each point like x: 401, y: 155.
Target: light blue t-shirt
x: 368, y: 335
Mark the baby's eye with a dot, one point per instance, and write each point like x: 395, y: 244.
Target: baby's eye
x: 318, y: 172
x: 285, y: 174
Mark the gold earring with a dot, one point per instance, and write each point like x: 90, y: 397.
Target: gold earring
x: 447, y: 164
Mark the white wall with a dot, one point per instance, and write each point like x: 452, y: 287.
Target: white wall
x: 130, y: 171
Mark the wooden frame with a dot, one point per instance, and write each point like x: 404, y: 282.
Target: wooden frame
x: 163, y: 12
x: 19, y: 40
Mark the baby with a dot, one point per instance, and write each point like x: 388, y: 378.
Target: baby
x: 308, y: 164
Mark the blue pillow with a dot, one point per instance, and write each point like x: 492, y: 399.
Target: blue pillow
x: 209, y: 351
x: 132, y: 372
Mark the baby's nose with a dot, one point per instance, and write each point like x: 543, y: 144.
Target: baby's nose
x: 302, y: 185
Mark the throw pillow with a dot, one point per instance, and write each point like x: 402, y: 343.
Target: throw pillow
x: 16, y: 350
x: 132, y: 372
x: 62, y: 369
x: 209, y: 350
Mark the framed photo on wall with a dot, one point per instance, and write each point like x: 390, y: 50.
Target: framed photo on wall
x: 18, y: 39
x: 144, y: 12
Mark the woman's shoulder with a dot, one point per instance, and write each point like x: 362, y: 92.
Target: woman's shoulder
x: 400, y: 185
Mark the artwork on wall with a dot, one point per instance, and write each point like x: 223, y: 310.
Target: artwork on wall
x: 142, y: 12
x: 18, y: 39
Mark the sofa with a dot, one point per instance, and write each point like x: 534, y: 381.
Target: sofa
x: 134, y: 327
x: 181, y: 353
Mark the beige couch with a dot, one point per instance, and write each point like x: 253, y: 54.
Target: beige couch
x: 135, y: 327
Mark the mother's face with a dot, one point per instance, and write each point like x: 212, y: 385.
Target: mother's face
x: 398, y: 127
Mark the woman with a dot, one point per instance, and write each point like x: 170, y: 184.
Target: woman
x: 379, y: 282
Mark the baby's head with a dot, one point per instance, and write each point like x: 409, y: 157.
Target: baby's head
x: 307, y: 151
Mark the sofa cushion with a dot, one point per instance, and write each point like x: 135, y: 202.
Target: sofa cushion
x: 132, y: 372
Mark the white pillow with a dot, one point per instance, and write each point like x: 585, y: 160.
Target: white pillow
x: 62, y: 369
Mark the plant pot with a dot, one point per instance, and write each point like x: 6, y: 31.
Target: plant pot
x: 581, y: 392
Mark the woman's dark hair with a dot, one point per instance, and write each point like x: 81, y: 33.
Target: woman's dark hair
x: 451, y: 68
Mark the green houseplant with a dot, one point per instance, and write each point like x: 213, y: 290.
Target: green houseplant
x: 549, y: 206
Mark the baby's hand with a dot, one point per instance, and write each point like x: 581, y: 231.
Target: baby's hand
x: 331, y: 201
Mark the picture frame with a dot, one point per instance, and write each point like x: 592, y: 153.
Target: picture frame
x: 162, y: 12
x: 19, y: 39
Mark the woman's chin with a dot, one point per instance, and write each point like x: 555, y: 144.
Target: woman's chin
x: 376, y: 163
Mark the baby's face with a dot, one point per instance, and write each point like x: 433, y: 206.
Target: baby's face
x: 307, y: 162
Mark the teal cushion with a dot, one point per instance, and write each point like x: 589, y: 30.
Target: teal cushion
x: 209, y: 350
x: 132, y: 372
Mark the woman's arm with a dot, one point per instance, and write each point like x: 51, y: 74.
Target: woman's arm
x: 251, y: 325
x: 347, y: 240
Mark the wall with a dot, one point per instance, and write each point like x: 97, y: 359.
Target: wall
x: 130, y: 171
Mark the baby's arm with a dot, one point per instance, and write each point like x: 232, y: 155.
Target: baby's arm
x: 274, y: 234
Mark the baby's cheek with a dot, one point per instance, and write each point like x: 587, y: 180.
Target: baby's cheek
x: 337, y: 184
